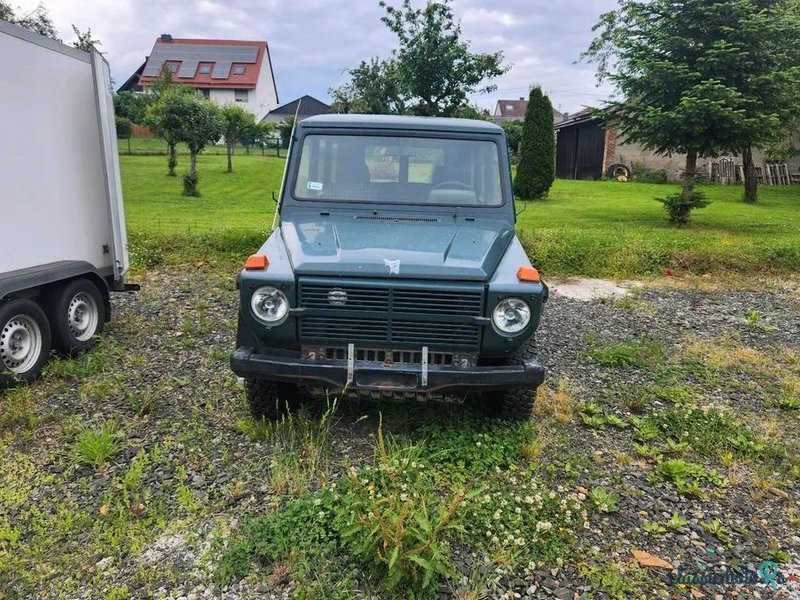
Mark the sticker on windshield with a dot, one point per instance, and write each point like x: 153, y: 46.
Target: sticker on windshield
x: 314, y: 185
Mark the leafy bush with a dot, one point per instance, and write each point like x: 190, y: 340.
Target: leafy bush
x: 124, y: 127
x: 679, y: 209
x: 397, y: 521
x: 643, y: 174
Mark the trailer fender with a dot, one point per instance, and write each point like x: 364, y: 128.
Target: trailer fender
x: 27, y: 283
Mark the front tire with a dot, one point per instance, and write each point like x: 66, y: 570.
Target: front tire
x: 24, y: 341
x: 270, y: 399
x: 77, y: 314
x: 517, y: 404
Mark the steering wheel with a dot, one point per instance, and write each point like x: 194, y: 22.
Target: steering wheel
x: 453, y: 185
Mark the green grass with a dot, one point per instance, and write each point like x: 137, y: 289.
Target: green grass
x: 607, y: 229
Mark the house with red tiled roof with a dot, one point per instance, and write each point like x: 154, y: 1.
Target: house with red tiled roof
x: 225, y: 71
x: 514, y: 110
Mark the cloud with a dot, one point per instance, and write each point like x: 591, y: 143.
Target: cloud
x: 313, y: 41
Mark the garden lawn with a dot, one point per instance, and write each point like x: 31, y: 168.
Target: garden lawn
x: 603, y: 228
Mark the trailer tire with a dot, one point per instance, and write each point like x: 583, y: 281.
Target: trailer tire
x: 77, y: 314
x: 24, y: 341
x: 270, y: 399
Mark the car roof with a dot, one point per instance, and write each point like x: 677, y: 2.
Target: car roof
x: 401, y: 123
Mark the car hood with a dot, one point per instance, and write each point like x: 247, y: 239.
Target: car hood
x: 436, y: 247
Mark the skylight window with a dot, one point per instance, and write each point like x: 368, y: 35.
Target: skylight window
x: 238, y: 70
x: 204, y: 69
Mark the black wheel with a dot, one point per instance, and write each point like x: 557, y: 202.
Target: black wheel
x: 517, y: 404
x: 24, y: 341
x: 77, y: 314
x: 618, y: 170
x: 270, y: 399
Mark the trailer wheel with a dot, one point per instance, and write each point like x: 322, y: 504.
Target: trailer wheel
x: 77, y: 313
x: 24, y: 341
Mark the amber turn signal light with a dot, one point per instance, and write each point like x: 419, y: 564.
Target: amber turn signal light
x: 528, y: 274
x: 256, y: 262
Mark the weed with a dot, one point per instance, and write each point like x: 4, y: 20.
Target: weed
x: 724, y: 354
x: 17, y: 406
x: 628, y: 354
x: 593, y: 421
x: 102, y: 359
x: 677, y: 448
x: 611, y: 578
x: 653, y: 528
x: 676, y: 522
x: 558, y: 404
x: 648, y: 451
x: 299, y: 450
x: 467, y: 447
x: 397, y: 521
x: 777, y: 554
x: 257, y: 429
x: 645, y: 429
x: 99, y: 446
x: 754, y: 320
x: 717, y: 529
x: 603, y: 500
x: 687, y: 476
x: 709, y: 429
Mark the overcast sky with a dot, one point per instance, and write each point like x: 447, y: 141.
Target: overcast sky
x: 312, y: 41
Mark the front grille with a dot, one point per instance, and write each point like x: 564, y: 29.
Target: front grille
x: 396, y: 315
x: 411, y: 357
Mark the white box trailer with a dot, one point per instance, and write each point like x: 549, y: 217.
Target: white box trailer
x: 63, y: 244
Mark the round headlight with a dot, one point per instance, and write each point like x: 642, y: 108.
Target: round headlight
x: 269, y: 305
x: 511, y: 315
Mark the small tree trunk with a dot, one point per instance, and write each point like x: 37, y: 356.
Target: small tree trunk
x: 688, y: 176
x: 750, y: 177
x: 172, y: 162
x: 230, y: 160
x: 129, y: 146
x: 190, y: 179
x: 687, y: 194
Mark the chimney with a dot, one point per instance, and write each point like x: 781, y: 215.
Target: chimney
x: 166, y: 38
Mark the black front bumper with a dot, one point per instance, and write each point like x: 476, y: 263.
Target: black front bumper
x: 245, y: 362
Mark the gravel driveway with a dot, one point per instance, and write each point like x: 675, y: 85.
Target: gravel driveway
x: 153, y: 521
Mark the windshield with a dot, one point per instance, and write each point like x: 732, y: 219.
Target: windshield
x: 399, y: 169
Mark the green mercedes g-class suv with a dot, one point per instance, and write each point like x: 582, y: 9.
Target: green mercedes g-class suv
x: 395, y: 270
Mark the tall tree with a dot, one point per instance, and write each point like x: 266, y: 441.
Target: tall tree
x: 163, y: 115
x: 237, y: 122
x: 695, y: 76
x: 373, y: 89
x: 201, y: 124
x: 536, y: 169
x: 84, y: 40
x: 37, y: 20
x: 132, y: 105
x: 431, y: 72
